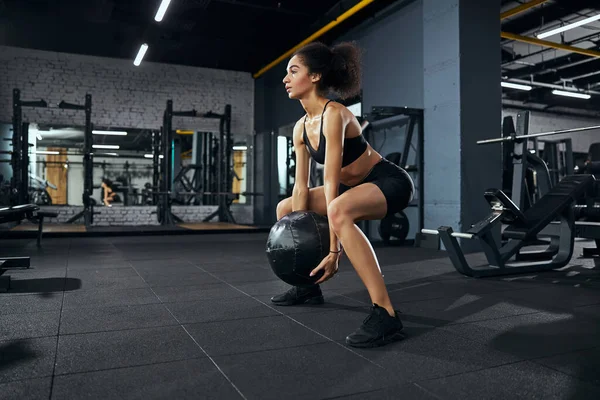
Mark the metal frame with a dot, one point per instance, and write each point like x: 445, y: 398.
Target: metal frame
x: 165, y: 176
x: 88, y: 162
x: 504, y: 210
x: 518, y: 159
x: 20, y: 151
x: 379, y: 114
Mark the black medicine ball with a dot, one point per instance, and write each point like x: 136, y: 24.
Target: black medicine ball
x: 297, y: 243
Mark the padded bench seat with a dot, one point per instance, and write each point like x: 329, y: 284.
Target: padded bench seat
x: 551, y: 204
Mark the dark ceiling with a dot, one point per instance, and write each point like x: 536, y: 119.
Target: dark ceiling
x: 544, y: 66
x: 242, y: 35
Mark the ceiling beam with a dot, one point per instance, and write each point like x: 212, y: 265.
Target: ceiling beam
x: 546, y: 43
x: 521, y: 8
x: 362, y: 4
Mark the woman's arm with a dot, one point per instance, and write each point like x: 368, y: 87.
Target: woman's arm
x: 333, y: 129
x: 300, y: 191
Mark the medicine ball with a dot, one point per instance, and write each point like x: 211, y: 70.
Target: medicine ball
x: 297, y: 243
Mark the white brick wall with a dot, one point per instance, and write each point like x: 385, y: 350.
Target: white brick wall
x: 145, y: 215
x: 122, y: 95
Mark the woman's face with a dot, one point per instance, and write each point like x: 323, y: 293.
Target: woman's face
x: 298, y: 82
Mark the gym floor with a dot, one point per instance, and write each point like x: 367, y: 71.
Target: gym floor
x: 189, y: 317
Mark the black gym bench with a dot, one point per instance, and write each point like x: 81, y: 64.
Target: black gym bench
x: 523, y: 228
x: 17, y: 214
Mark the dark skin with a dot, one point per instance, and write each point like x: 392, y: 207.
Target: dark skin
x: 363, y: 202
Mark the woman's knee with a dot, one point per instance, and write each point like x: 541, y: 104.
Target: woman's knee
x: 284, y: 207
x: 338, y: 213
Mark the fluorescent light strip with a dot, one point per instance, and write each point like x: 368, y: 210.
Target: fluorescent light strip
x: 108, y: 154
x: 106, y: 146
x: 162, y: 9
x: 515, y: 86
x: 113, y: 133
x: 46, y: 152
x: 150, y: 156
x: 567, y: 27
x: 140, y: 55
x: 240, y: 147
x: 571, y: 94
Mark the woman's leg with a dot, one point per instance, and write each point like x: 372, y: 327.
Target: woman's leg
x: 363, y: 202
x: 366, y: 202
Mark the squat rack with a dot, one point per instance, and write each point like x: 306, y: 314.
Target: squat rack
x: 163, y: 173
x: 20, y: 151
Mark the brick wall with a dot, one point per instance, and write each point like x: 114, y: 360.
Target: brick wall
x: 145, y: 215
x: 122, y: 95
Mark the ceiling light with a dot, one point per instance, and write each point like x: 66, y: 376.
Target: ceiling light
x: 140, y: 55
x: 515, y: 86
x: 114, y: 133
x: 46, y: 152
x: 109, y: 154
x: 150, y: 156
x: 106, y: 146
x: 567, y: 27
x: 162, y: 9
x: 571, y: 94
x: 240, y: 147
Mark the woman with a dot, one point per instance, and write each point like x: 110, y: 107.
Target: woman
x: 109, y: 194
x: 359, y: 184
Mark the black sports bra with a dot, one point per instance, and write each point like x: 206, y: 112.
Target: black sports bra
x: 353, y: 147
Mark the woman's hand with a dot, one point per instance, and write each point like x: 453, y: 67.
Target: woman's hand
x: 329, y: 265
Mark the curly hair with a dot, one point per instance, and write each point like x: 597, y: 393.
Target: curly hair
x: 339, y: 67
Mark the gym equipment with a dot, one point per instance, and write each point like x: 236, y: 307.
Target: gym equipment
x: 534, y: 135
x: 394, y: 228
x: 297, y: 243
x: 163, y: 178
x: 558, y: 156
x: 526, y: 177
x: 17, y: 214
x: 522, y: 229
x: 38, y: 192
x: 410, y: 158
x: 20, y: 151
x: 88, y: 162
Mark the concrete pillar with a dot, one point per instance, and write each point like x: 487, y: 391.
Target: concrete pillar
x: 462, y: 102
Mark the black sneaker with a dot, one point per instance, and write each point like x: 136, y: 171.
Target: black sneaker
x: 299, y: 295
x: 378, y: 329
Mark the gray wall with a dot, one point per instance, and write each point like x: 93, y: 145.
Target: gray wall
x: 462, y: 105
x: 123, y: 95
x: 393, y: 57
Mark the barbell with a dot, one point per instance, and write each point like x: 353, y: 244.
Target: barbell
x: 533, y: 135
x: 455, y: 234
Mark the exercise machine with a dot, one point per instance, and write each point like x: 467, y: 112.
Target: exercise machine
x: 394, y: 229
x: 552, y: 216
x: 526, y: 177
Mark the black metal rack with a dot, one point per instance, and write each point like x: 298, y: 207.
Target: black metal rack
x: 385, y: 117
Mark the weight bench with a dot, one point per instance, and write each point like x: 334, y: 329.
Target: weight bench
x: 523, y: 228
x: 18, y: 213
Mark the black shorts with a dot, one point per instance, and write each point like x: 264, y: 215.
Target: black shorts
x: 395, y: 183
